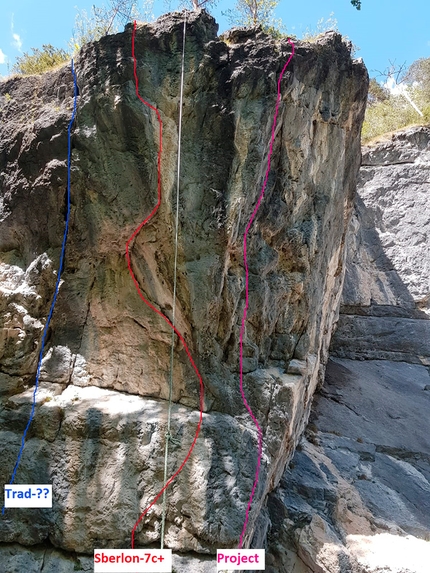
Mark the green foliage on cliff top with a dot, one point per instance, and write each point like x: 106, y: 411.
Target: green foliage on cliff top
x: 40, y: 60
x: 98, y: 23
x: 391, y: 115
x: 102, y: 21
x: 386, y: 112
x: 250, y: 13
x: 107, y: 19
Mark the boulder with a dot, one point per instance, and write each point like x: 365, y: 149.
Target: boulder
x: 101, y: 413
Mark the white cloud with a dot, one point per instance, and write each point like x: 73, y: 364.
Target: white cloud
x: 17, y: 42
x: 3, y: 57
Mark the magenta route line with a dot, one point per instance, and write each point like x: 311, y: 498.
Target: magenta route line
x: 245, y: 311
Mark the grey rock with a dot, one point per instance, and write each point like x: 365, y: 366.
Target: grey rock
x: 355, y: 497
x: 15, y: 558
x: 385, y: 300
x: 372, y: 281
x: 410, y: 145
x: 389, y: 338
x: 395, y: 194
x: 100, y: 421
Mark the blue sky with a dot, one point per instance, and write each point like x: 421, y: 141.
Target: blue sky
x: 384, y: 30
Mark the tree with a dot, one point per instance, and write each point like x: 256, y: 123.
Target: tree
x: 407, y: 103
x: 403, y: 82
x: 418, y: 75
x: 249, y: 13
x: 377, y: 93
x: 119, y: 12
x: 40, y: 60
x: 257, y: 11
x: 197, y: 4
x: 102, y: 21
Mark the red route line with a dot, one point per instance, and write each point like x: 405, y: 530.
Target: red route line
x: 136, y: 284
x: 245, y: 311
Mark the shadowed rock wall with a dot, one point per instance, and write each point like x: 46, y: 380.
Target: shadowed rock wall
x: 355, y: 497
x: 385, y: 301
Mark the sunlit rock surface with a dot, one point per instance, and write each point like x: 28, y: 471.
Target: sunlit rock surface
x: 101, y: 411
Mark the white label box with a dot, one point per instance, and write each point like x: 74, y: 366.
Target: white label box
x: 240, y: 559
x: 132, y: 561
x: 28, y: 495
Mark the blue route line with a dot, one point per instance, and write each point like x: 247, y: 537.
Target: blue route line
x: 57, y: 286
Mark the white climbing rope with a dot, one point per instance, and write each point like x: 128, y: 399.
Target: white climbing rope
x: 169, y: 413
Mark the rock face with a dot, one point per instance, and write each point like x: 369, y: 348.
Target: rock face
x: 385, y: 303
x: 101, y: 413
x: 356, y: 496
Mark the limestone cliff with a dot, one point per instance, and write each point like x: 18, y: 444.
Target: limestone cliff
x: 356, y: 496
x: 101, y: 411
x: 386, y: 297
